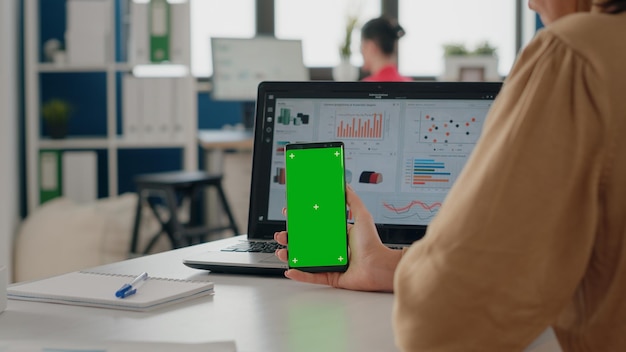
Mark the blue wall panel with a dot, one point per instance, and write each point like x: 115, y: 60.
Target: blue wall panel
x: 132, y: 162
x: 216, y: 114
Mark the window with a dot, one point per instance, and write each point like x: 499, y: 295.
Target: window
x: 431, y: 24
x: 529, y: 23
x: 217, y: 18
x: 320, y: 25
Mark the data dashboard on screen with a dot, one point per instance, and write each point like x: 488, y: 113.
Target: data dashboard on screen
x: 401, y: 156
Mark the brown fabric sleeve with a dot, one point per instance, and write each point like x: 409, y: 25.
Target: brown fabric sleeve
x: 506, y: 252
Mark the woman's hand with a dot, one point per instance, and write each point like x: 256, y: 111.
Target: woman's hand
x: 372, y: 264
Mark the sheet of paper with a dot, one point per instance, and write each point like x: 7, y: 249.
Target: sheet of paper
x: 114, y: 346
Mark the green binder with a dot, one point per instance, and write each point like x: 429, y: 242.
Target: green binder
x: 160, y: 30
x: 50, y: 175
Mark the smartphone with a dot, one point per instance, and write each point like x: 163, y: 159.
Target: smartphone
x: 316, y: 206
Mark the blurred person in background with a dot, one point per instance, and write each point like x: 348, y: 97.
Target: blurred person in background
x: 379, y: 47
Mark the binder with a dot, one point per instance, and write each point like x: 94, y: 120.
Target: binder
x: 180, y: 39
x: 80, y: 176
x: 149, y: 109
x: 180, y: 109
x: 163, y: 102
x: 160, y: 28
x: 49, y: 175
x: 93, y: 289
x: 139, y: 41
x: 174, y: 37
x: 132, y: 108
x: 88, y: 31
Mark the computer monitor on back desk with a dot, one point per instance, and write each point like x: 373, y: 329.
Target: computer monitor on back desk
x: 240, y: 64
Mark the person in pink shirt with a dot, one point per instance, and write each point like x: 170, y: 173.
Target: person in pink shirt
x: 379, y: 46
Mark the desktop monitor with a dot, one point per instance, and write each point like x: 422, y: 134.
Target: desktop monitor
x: 240, y: 64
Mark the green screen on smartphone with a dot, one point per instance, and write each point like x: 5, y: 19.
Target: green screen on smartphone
x: 316, y: 206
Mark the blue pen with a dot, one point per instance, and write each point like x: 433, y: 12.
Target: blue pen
x: 131, y: 288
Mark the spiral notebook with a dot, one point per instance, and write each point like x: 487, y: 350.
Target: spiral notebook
x: 84, y: 288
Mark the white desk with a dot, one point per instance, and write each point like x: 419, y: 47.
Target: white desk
x: 259, y: 313
x: 215, y: 142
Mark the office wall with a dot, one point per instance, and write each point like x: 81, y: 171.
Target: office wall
x: 9, y: 97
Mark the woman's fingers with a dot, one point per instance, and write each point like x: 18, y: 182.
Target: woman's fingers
x: 281, y: 237
x: 354, y: 202
x: 282, y: 255
x: 357, y: 207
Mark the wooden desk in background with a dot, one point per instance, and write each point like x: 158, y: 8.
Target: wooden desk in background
x: 215, y: 143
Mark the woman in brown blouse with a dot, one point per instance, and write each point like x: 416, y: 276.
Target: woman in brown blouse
x: 533, y: 233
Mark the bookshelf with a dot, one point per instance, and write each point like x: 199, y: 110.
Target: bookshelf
x: 98, y: 89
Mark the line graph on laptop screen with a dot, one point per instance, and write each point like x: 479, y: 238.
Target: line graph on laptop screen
x: 413, y: 210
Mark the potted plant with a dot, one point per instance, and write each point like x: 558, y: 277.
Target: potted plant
x: 56, y: 114
x: 454, y: 49
x: 345, y: 50
x: 462, y: 64
x: 485, y: 49
x: 345, y: 71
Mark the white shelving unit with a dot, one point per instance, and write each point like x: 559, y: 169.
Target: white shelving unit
x: 112, y: 142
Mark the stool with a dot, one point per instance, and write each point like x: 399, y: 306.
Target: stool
x: 174, y: 188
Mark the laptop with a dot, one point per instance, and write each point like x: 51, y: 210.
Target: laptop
x: 405, y: 145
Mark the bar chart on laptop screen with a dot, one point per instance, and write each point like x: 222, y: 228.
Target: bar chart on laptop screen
x: 360, y: 126
x: 421, y: 173
x: 367, y: 126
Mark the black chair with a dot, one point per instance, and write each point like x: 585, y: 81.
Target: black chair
x: 171, y: 189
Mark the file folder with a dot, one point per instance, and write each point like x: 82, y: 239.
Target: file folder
x: 49, y: 175
x: 160, y: 29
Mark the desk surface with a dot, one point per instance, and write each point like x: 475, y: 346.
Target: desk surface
x: 259, y: 313
x: 225, y: 139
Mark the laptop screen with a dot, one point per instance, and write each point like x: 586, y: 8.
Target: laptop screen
x: 405, y: 145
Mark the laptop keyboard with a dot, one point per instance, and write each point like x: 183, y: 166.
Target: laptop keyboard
x: 267, y: 247
x: 254, y: 246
